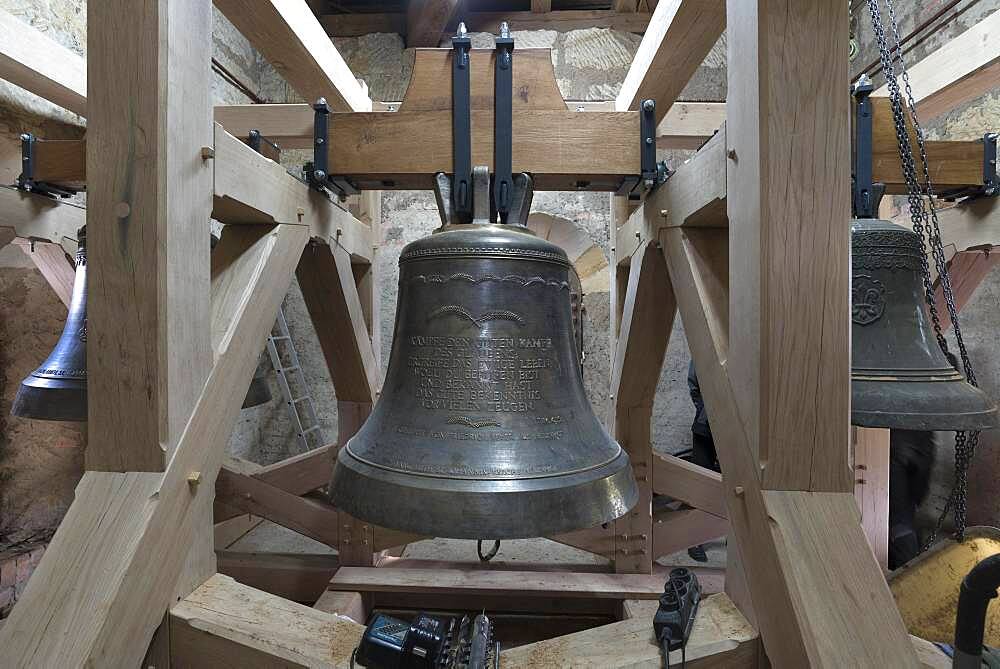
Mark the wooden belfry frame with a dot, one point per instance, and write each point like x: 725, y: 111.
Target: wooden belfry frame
x: 748, y: 241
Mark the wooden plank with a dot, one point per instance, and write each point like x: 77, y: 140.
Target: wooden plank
x: 111, y: 571
x: 346, y: 604
x: 697, y: 486
x: 331, y: 297
x: 233, y: 529
x: 788, y: 197
x: 564, y: 150
x: 54, y: 264
x: 680, y: 35
x: 290, y: 37
x: 963, y: 68
x: 301, y: 473
x: 299, y: 577
x: 38, y: 217
x: 688, y: 125
x: 60, y: 161
x: 35, y: 62
x: 871, y: 487
x: 966, y: 269
x: 534, y: 80
x: 148, y: 277
x: 522, y: 584
x: 598, y: 540
x: 288, y: 125
x: 250, y: 188
x: 224, y: 623
x: 720, y: 637
x: 541, y: 6
x: 314, y: 518
x: 677, y: 530
x: 952, y: 164
x: 356, y: 25
x: 426, y: 21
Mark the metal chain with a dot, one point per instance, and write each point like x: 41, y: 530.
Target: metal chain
x: 923, y: 214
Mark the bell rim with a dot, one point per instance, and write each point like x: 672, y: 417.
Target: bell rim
x: 879, y: 411
x: 391, y: 502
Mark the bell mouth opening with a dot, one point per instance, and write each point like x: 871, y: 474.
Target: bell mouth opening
x: 484, y: 508
x: 66, y: 403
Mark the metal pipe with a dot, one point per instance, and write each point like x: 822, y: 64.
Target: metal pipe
x: 978, y: 587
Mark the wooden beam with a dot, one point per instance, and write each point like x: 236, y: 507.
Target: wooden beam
x: 355, y: 25
x: 35, y: 62
x: 148, y: 274
x: 788, y: 196
x: 289, y: 36
x: 680, y: 35
x: 54, y: 264
x: 541, y: 6
x: 677, y: 530
x: 113, y: 564
x: 250, y: 188
x: 299, y: 577
x: 224, y: 623
x: 697, y: 486
x: 426, y: 21
x: 688, y: 125
x: 720, y: 637
x: 60, y: 161
x: 301, y: 473
x: 348, y: 604
x: 314, y: 518
x: 332, y: 300
x: 967, y: 269
x: 228, y: 532
x: 871, y: 487
x: 963, y: 69
x: 38, y: 217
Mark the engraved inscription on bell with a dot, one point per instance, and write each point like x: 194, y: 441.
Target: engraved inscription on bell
x: 483, y: 422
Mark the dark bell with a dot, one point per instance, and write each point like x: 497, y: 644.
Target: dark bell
x: 900, y: 378
x: 57, y: 390
x: 483, y: 429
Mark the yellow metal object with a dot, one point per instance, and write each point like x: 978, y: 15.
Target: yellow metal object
x: 926, y: 590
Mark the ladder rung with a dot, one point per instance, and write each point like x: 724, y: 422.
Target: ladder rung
x: 296, y: 401
x: 311, y: 429
x: 280, y: 337
x: 282, y: 370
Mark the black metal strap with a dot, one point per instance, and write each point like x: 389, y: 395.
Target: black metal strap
x: 317, y: 171
x: 502, y: 121
x: 461, y: 127
x: 263, y: 145
x: 865, y: 195
x: 647, y: 132
x: 26, y: 179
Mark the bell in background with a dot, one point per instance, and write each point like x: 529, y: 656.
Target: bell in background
x: 900, y: 378
x: 483, y: 429
x: 58, y: 389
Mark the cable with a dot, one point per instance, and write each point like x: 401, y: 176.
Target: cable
x: 493, y: 551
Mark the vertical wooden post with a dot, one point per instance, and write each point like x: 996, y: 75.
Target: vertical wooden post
x: 871, y: 487
x: 148, y: 206
x: 647, y: 317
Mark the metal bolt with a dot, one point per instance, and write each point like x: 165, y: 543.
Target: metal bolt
x: 319, y: 140
x: 648, y: 105
x: 861, y: 481
x: 732, y: 154
x: 461, y: 32
x: 194, y: 478
x: 638, y: 235
x: 664, y: 213
x: 649, y: 140
x: 738, y: 490
x: 207, y: 153
x: 504, y: 30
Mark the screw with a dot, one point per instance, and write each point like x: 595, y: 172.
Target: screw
x: 732, y: 154
x: 664, y: 213
x: 504, y: 30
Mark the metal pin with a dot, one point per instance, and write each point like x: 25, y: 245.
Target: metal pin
x: 461, y: 32
x: 504, y: 29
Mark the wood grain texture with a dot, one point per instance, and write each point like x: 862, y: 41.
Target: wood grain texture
x: 290, y: 37
x: 60, y: 161
x: 38, y: 217
x: 677, y: 530
x: 966, y: 269
x: 250, y: 188
x: 871, y: 487
x: 679, y: 36
x: 788, y: 199
x: 967, y: 62
x: 356, y: 25
x: 39, y: 64
x: 331, y: 297
x: 54, y: 264
x: 148, y: 301
x: 299, y: 577
x: 132, y: 531
x: 224, y: 623
x: 688, y: 125
x: 697, y: 486
x: 426, y: 21
x: 720, y: 637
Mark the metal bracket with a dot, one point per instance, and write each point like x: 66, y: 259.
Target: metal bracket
x: 651, y: 174
x: 865, y: 195
x: 461, y: 125
x: 317, y: 172
x: 263, y: 145
x: 502, y: 122
x: 26, y: 180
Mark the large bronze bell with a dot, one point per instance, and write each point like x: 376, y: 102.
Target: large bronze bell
x: 900, y: 378
x: 483, y: 429
x: 57, y: 390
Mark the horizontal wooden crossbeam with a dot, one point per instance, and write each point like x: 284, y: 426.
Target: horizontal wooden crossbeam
x: 357, y: 24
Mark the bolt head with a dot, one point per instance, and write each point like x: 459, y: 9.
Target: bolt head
x: 648, y: 105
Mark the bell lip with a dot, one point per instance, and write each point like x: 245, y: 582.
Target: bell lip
x: 396, y: 501
x: 880, y: 411
x: 66, y: 403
